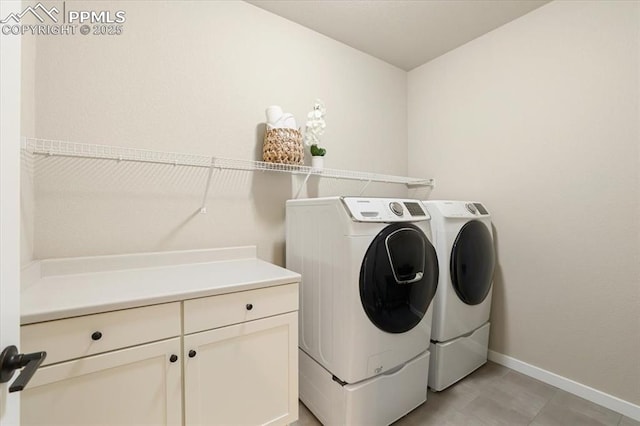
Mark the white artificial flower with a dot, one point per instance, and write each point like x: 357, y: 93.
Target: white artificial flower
x: 315, y: 125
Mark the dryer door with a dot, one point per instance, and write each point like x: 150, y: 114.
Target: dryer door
x: 472, y: 262
x: 398, y: 278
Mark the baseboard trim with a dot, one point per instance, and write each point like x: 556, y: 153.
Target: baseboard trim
x: 598, y: 397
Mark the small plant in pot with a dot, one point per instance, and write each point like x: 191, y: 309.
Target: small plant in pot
x: 313, y: 130
x: 316, y: 151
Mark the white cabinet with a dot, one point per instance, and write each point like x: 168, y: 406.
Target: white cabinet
x: 100, y: 369
x: 134, y: 386
x: 244, y: 374
x: 230, y: 359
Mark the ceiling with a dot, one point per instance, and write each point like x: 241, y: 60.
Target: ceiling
x: 405, y: 33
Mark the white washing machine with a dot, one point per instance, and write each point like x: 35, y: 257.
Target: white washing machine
x: 369, y: 274
x: 463, y: 238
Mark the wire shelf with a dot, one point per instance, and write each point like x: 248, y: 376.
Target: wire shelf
x: 249, y: 165
x: 84, y: 150
x: 108, y: 152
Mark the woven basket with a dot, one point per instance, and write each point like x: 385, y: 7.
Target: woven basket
x: 283, y: 146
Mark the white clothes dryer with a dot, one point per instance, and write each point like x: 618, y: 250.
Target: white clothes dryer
x: 463, y: 238
x: 369, y: 274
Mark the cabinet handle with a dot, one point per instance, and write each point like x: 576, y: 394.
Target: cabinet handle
x: 249, y: 306
x: 11, y: 360
x: 96, y: 335
x: 192, y: 353
x: 173, y: 358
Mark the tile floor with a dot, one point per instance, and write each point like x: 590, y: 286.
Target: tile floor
x: 496, y: 395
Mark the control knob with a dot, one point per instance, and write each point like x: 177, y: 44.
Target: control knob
x: 472, y: 209
x: 396, y: 208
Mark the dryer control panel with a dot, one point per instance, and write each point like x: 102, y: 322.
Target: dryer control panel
x: 363, y: 209
x: 463, y: 209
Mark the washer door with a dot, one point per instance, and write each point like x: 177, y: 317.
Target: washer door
x: 472, y: 262
x: 398, y: 278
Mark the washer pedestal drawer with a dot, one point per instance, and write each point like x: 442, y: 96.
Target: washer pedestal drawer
x: 376, y: 401
x: 457, y: 358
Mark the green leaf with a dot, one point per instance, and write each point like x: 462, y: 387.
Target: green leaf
x: 316, y: 151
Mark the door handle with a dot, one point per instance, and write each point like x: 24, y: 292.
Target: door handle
x: 409, y: 279
x: 11, y: 360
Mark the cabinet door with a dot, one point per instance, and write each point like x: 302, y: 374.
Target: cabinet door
x: 245, y: 374
x: 139, y: 385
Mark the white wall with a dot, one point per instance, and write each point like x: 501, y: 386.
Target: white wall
x: 196, y: 77
x: 539, y: 119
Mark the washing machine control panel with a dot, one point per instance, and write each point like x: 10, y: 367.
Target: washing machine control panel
x: 363, y: 209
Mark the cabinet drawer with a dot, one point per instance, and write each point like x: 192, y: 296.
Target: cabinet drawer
x: 77, y: 337
x: 217, y: 311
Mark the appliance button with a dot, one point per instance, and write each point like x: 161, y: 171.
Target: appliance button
x: 396, y: 208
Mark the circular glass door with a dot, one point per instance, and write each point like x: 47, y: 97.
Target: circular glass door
x: 398, y: 278
x: 472, y: 263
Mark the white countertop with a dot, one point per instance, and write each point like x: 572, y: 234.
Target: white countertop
x: 62, y: 295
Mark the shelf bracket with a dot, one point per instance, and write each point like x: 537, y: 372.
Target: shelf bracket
x: 364, y: 187
x: 426, y: 182
x: 203, y: 206
x: 303, y: 184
